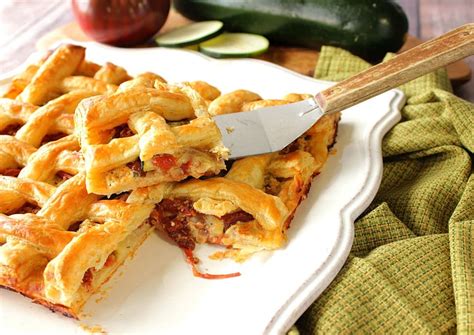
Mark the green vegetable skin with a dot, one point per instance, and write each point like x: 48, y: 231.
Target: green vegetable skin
x: 368, y: 28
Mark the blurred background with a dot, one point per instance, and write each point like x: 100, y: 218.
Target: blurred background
x: 23, y: 22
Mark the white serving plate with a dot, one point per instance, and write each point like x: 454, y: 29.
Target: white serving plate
x: 155, y: 292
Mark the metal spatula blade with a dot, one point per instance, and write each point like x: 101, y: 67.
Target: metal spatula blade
x: 267, y: 129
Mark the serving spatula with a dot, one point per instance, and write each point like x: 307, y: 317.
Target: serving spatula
x: 271, y: 129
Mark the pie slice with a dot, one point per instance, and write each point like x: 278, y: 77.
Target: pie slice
x: 144, y: 135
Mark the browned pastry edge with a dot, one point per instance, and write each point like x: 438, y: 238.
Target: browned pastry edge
x: 73, y: 312
x: 307, y: 186
x: 55, y: 308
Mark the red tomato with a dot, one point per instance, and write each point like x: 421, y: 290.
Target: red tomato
x: 121, y: 22
x: 164, y: 162
x: 185, y: 167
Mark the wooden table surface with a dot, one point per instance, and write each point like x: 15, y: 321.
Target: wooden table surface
x: 23, y: 22
x: 430, y: 18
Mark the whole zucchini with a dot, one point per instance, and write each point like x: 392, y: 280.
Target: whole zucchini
x: 368, y: 28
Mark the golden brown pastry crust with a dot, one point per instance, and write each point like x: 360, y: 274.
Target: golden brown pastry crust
x: 73, y: 83
x: 41, y: 122
x: 20, y: 81
x: 43, y: 86
x: 13, y: 152
x: 46, y: 255
x: 61, y: 155
x: 47, y: 216
x: 15, y: 192
x: 232, y: 102
x: 164, y: 152
x: 14, y: 112
x: 111, y: 74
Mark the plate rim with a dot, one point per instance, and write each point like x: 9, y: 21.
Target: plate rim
x: 348, y: 214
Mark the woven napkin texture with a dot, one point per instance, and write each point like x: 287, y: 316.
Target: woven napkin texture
x: 411, y: 267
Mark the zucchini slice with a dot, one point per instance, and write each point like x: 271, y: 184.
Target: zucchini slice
x: 190, y: 34
x: 232, y: 45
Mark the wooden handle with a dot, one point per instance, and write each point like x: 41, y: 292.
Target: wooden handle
x: 424, y: 58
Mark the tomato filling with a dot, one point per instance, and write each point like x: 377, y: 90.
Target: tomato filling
x: 28, y: 208
x: 11, y: 172
x: 87, y: 279
x: 11, y: 129
x: 165, y: 161
x: 111, y: 259
x: 162, y: 162
x: 137, y: 168
x: 232, y: 218
x: 52, y: 137
x: 174, y: 216
x: 122, y: 131
x: 186, y: 167
x: 193, y: 261
x: 63, y: 175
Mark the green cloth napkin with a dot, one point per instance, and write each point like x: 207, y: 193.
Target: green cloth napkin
x: 411, y: 268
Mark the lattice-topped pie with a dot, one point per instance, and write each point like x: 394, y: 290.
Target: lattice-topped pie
x: 93, y: 159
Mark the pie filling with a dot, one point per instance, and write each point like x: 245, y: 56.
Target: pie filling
x: 186, y: 226
x: 28, y: 208
x: 89, y: 274
x: 174, y: 167
x: 166, y: 162
x: 272, y: 185
x: 12, y: 172
x: 60, y: 177
x: 118, y: 196
x: 10, y: 130
x: 122, y: 131
x: 92, y: 276
x: 52, y: 137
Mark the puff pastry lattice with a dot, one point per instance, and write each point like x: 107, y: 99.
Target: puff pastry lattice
x: 128, y: 142
x: 92, y: 160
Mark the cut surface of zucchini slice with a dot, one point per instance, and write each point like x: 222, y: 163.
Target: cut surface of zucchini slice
x: 229, y: 45
x: 190, y: 34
